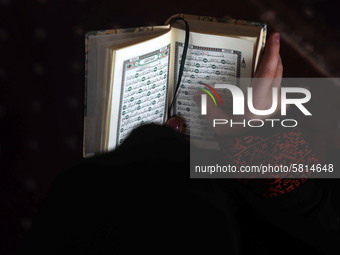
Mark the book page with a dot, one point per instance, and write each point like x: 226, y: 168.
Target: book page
x: 97, y: 84
x: 139, y: 87
x: 210, y: 60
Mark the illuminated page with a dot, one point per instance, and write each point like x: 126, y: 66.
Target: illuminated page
x: 140, y: 84
x: 210, y: 60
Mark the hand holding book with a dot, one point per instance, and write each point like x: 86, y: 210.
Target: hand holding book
x: 133, y: 75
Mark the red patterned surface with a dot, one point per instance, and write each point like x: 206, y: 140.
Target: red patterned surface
x: 279, y: 149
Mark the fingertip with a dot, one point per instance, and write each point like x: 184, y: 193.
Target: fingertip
x: 276, y: 37
x: 176, y: 123
x: 274, y: 43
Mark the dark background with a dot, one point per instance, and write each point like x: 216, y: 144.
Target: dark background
x: 42, y: 81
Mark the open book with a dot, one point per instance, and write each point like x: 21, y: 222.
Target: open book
x: 131, y: 74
